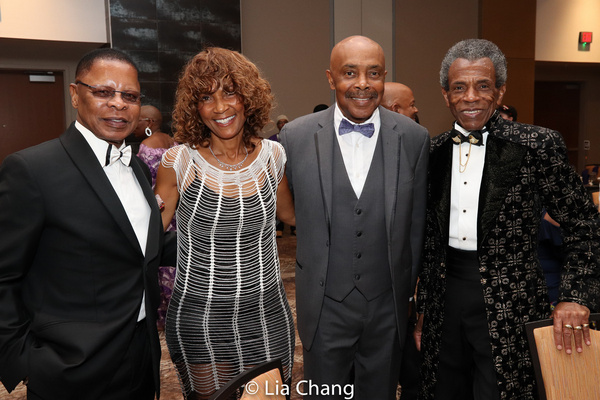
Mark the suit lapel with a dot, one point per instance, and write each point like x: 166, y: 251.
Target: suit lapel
x: 155, y: 225
x: 440, y: 173
x: 391, y: 166
x: 85, y: 160
x: 503, y: 159
x: 324, y: 142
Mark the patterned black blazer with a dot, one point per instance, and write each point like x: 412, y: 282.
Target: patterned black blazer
x: 526, y: 169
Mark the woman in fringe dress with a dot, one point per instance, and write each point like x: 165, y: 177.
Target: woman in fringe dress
x: 229, y: 310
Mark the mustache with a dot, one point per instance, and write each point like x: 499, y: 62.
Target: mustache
x: 371, y: 94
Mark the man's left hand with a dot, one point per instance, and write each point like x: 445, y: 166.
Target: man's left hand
x: 571, y: 320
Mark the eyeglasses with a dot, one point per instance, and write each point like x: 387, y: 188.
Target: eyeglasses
x: 105, y: 92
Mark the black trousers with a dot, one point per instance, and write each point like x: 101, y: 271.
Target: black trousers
x: 356, y: 343
x: 133, y: 380
x: 466, y: 370
x: 410, y: 371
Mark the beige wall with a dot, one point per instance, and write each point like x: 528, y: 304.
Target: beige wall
x: 423, y: 36
x: 66, y: 20
x: 371, y: 18
x: 290, y: 43
x: 557, y: 30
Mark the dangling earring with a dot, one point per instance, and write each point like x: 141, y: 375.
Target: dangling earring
x: 148, y: 131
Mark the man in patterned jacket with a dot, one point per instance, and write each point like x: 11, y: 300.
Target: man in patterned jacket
x: 481, y: 278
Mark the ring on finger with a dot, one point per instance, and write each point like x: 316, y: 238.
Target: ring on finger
x: 578, y: 327
x: 586, y: 325
x: 568, y: 326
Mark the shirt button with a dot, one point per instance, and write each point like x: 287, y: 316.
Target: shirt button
x: 465, y: 183
x: 464, y: 238
x: 464, y: 211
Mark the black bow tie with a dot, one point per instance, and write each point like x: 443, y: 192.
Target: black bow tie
x: 474, y: 137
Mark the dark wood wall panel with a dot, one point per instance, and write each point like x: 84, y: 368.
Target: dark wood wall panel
x: 162, y: 35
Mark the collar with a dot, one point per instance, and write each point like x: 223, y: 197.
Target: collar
x: 97, y: 145
x: 375, y: 119
x: 488, y: 127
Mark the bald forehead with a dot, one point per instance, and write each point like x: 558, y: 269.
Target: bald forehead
x: 397, y: 88
x: 150, y: 112
x: 356, y: 47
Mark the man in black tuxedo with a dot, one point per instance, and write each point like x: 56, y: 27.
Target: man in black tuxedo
x: 80, y: 238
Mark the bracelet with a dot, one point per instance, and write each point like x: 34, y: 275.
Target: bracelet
x: 161, y: 203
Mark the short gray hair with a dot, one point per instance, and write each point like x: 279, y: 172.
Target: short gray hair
x: 471, y: 50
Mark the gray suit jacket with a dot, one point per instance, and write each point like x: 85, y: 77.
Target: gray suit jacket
x: 309, y: 142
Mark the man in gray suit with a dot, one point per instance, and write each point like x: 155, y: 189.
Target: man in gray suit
x: 358, y: 174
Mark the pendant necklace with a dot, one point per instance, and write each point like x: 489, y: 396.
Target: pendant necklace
x: 463, y: 167
x: 472, y: 140
x: 229, y: 167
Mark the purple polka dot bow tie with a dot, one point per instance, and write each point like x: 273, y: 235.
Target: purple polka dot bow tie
x: 364, y: 129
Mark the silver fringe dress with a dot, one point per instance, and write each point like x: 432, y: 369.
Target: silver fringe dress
x: 229, y: 310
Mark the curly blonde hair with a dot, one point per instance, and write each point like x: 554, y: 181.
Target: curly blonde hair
x: 205, y: 73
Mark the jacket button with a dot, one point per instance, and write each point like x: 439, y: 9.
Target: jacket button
x: 358, y: 211
x: 358, y: 255
x: 358, y: 233
x: 321, y: 283
x: 357, y: 277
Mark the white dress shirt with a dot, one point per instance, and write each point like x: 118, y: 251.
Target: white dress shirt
x: 127, y: 188
x: 464, y: 192
x: 357, y: 150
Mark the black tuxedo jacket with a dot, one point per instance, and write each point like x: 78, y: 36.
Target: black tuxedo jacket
x: 72, y: 272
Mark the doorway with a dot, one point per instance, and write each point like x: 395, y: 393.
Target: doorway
x: 557, y: 106
x: 32, y: 110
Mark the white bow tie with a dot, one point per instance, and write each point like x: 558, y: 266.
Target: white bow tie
x: 113, y: 154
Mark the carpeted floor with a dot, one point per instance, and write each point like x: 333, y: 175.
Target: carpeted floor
x: 169, y: 383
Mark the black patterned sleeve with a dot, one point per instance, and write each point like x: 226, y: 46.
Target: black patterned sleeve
x: 569, y: 203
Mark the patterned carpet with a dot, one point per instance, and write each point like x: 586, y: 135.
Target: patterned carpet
x: 169, y: 383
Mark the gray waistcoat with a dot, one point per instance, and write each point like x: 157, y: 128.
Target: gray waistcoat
x: 358, y: 254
